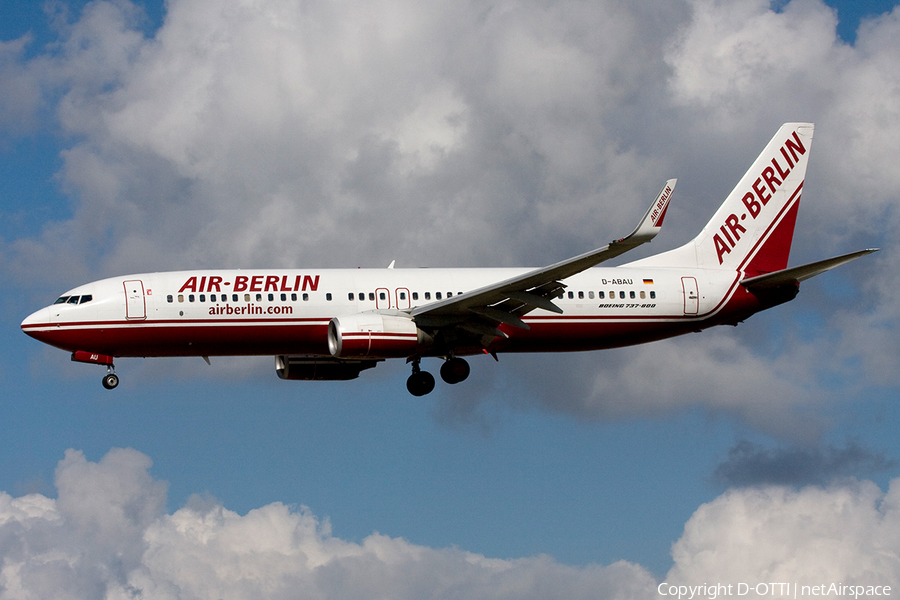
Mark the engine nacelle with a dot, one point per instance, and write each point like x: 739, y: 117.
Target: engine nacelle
x: 320, y: 368
x: 374, y: 335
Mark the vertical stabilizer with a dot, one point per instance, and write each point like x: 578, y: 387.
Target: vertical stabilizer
x: 753, y: 229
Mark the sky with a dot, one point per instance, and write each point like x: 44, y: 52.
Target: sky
x: 141, y: 137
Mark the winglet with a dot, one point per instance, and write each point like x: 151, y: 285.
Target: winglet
x: 653, y: 219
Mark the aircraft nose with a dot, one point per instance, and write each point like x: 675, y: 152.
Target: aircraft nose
x: 36, y: 319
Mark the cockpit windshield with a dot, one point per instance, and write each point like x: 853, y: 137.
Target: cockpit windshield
x: 74, y: 299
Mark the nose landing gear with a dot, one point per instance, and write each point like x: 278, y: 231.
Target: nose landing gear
x: 110, y: 380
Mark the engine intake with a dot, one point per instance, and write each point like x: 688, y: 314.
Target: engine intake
x: 374, y: 335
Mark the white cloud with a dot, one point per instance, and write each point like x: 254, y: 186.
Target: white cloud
x: 20, y: 96
x: 739, y: 56
x: 107, y: 535
x: 843, y: 534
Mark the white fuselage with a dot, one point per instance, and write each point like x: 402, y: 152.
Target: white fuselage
x: 258, y: 312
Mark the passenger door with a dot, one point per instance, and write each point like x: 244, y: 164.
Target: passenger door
x: 135, y: 304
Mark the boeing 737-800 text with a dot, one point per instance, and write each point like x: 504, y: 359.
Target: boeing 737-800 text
x: 333, y: 324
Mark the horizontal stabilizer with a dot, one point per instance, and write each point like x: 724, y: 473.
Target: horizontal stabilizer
x: 801, y: 273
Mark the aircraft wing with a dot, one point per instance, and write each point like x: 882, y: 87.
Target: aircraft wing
x: 795, y: 275
x: 481, y: 311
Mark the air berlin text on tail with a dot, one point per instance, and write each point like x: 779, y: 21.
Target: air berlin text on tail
x: 759, y: 195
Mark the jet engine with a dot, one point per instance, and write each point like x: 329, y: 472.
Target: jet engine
x: 320, y: 368
x: 375, y: 335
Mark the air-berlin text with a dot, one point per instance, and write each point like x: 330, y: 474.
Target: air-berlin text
x: 252, y: 283
x: 658, y: 212
x: 757, y: 197
x: 250, y: 309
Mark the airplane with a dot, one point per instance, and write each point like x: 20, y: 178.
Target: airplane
x: 332, y: 324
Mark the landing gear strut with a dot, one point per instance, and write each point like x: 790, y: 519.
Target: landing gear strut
x: 420, y: 382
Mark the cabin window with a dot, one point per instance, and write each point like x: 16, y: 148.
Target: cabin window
x: 581, y: 295
x: 271, y: 297
x: 591, y: 295
x: 415, y: 295
x: 371, y: 295
x: 653, y: 295
x: 601, y: 295
x: 449, y: 294
x: 284, y: 297
x: 350, y: 296
x: 643, y: 295
x: 403, y: 295
x: 170, y: 299
x: 181, y: 297
x: 190, y: 297
x: 202, y: 297
x: 382, y: 296
x: 622, y: 295
x: 294, y: 297
x: 246, y: 297
x: 428, y: 295
x: 437, y: 295
x: 259, y: 297
x: 305, y: 297
x: 328, y: 296
x: 631, y: 295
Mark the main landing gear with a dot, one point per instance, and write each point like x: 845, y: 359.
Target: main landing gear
x: 420, y: 383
